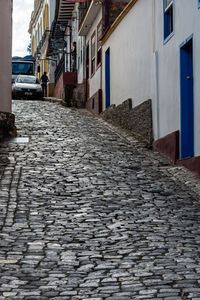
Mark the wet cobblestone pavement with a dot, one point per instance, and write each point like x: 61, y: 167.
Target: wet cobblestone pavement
x: 86, y: 212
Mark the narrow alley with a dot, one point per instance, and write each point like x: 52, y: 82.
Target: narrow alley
x: 89, y: 213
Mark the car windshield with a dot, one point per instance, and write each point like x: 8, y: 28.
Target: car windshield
x: 31, y: 80
x: 22, y: 68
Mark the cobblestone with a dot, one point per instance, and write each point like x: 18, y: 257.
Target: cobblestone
x: 87, y: 212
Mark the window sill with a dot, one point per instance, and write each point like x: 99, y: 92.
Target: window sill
x: 92, y: 75
x: 98, y: 66
x: 168, y: 38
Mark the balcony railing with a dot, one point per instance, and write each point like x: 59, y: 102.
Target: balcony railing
x: 83, y: 10
x: 60, y: 69
x: 64, y: 65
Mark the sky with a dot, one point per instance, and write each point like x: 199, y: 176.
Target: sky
x: 21, y: 17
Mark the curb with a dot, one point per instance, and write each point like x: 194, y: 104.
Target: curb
x: 54, y: 100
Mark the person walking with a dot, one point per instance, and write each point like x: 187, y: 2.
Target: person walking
x: 44, y: 79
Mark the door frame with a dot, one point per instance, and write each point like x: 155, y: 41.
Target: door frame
x: 183, y: 102
x: 107, y: 77
x: 87, y: 71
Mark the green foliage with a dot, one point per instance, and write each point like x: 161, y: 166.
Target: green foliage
x: 29, y: 48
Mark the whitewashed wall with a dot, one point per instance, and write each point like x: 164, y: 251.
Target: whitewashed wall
x: 143, y: 69
x: 131, y: 57
x: 5, y: 54
x: 81, y: 58
x: 95, y: 80
x: 186, y: 22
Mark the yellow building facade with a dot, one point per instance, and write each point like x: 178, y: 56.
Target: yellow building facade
x: 39, y: 30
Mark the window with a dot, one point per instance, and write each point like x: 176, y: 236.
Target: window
x: 168, y: 18
x: 99, y: 35
x: 23, y: 68
x: 93, y: 38
x: 198, y: 3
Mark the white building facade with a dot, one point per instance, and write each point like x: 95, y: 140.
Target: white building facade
x: 152, y: 52
x: 91, y: 68
x: 131, y: 57
x: 95, y: 18
x: 178, y: 76
x: 128, y: 57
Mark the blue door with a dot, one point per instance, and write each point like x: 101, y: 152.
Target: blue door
x: 107, y: 76
x: 187, y: 99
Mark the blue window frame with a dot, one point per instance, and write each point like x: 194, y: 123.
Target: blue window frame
x: 198, y: 3
x: 168, y: 10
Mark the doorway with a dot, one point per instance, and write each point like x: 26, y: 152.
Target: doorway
x: 187, y: 99
x: 107, y: 77
x: 87, y: 72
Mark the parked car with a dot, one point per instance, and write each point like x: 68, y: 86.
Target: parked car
x: 27, y: 87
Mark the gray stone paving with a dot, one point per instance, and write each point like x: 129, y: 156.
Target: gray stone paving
x: 86, y: 212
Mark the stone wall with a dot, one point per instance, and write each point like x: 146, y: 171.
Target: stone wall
x: 74, y: 95
x: 79, y: 95
x: 68, y: 94
x: 7, y: 125
x: 138, y: 120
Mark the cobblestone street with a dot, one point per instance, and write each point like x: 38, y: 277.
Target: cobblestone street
x: 86, y: 212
